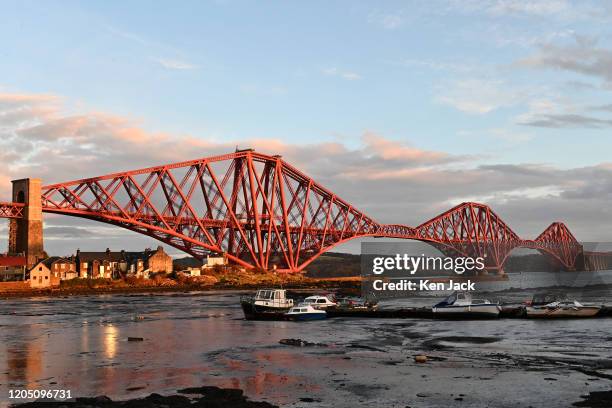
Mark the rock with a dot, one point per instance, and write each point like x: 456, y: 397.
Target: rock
x: 308, y: 399
x: 420, y: 358
x: 100, y: 400
x: 299, y: 343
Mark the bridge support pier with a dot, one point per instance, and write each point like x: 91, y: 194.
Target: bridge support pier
x: 26, y: 234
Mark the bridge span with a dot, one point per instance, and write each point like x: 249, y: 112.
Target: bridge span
x: 260, y: 212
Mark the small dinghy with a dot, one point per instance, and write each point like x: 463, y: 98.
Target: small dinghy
x: 461, y: 305
x: 550, y: 306
x: 305, y: 312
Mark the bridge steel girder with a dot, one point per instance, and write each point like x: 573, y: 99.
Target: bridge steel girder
x: 261, y: 212
x: 11, y: 210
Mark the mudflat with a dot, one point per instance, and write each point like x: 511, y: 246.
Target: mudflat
x: 199, y: 339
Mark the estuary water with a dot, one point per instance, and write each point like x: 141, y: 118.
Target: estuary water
x: 81, y: 344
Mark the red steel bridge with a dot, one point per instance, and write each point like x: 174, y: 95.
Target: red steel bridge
x: 262, y: 212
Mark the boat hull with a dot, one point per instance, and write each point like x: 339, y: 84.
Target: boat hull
x: 301, y: 317
x: 489, y: 311
x: 258, y: 312
x: 562, y: 312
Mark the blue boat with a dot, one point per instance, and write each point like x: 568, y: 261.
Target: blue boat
x: 304, y: 312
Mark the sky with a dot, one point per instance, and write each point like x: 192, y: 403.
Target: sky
x: 401, y: 108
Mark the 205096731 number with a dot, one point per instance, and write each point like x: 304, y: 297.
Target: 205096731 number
x: 36, y: 394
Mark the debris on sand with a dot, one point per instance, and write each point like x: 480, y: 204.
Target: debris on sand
x: 420, y: 358
x: 198, y: 396
x: 135, y: 339
x: 300, y: 343
x: 595, y: 399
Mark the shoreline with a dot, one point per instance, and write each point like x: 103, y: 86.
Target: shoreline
x: 351, y: 283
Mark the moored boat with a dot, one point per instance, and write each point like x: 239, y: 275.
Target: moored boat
x: 266, y: 304
x: 461, y: 304
x: 554, y: 306
x: 319, y: 302
x: 304, y: 312
x: 353, y: 304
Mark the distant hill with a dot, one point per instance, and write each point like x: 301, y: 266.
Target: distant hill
x: 186, y: 262
x: 330, y: 264
x: 334, y: 264
x: 337, y: 264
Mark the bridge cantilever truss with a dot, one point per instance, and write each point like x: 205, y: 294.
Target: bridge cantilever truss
x: 261, y: 212
x: 11, y: 210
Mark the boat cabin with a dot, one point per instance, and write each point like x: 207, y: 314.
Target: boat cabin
x: 319, y: 302
x: 271, y: 294
x: 457, y: 298
x: 273, y: 298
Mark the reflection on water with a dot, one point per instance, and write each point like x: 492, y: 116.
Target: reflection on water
x: 24, y: 361
x: 193, y: 339
x: 110, y: 334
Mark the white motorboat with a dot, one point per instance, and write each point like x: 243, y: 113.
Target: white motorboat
x: 461, y: 304
x: 319, y: 302
x: 550, y: 305
x: 305, y: 312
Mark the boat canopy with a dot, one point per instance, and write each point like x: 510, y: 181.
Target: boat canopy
x: 455, y: 297
x: 274, y: 294
x: 545, y: 298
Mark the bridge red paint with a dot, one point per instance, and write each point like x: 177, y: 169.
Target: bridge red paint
x: 11, y: 210
x: 261, y: 212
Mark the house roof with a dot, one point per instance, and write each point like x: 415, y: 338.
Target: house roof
x: 100, y: 256
x: 117, y: 256
x: 143, y: 255
x: 12, y: 260
x: 51, y: 260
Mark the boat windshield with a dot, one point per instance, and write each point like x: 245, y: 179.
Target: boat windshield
x: 546, y: 298
x: 265, y: 294
x: 451, y: 299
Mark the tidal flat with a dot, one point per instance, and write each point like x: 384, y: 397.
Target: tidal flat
x: 200, y: 339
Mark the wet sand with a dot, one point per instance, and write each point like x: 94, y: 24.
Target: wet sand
x: 200, y: 339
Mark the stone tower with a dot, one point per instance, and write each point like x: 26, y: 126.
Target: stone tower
x: 26, y: 234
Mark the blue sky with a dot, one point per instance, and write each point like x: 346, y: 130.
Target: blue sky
x: 312, y: 71
x: 486, y: 82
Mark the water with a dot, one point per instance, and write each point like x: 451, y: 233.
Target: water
x: 199, y: 338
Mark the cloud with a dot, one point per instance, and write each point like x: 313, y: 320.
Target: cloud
x: 393, y: 150
x: 389, y: 179
x: 566, y: 121
x: 477, y: 96
x: 605, y: 108
x: 559, y: 9
x: 427, y: 64
x: 348, y: 75
x: 175, y: 64
x: 561, y: 114
x: 582, y: 57
x: 533, y: 7
x: 388, y: 21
